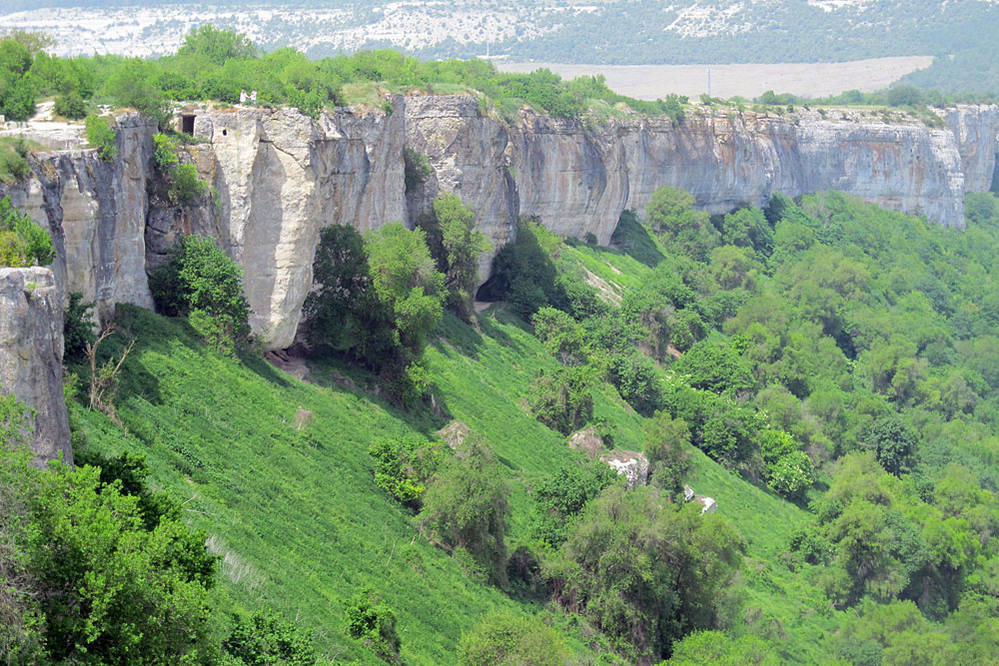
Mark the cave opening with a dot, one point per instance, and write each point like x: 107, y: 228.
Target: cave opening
x: 187, y: 124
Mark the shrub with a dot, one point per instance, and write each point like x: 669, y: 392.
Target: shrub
x: 14, y: 160
x: 634, y: 376
x: 788, y: 470
x: 186, y: 185
x: 504, y: 639
x: 416, y: 169
x: 563, y: 337
x: 465, y: 507
x: 403, y: 467
x: 164, y: 153
x: 102, y: 136
x: 561, y: 398
x: 22, y: 242
x: 77, y: 327
x: 263, y: 638
x: 199, y: 281
x: 70, y: 105
x: 371, y: 621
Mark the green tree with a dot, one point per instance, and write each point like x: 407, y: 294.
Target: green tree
x: 342, y: 312
x: 200, y: 282
x: 667, y: 447
x: 406, y: 283
x: 132, y: 85
x: 563, y: 337
x: 77, y: 327
x: 646, y: 572
x: 465, y: 506
x: 671, y: 214
x: 216, y: 45
x: 461, y: 244
x: 562, y: 398
x: 892, y: 442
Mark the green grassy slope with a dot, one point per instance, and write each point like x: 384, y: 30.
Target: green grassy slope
x: 299, y: 520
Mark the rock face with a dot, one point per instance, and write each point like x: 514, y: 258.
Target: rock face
x: 279, y: 177
x: 576, y: 178
x: 31, y: 355
x: 96, y: 212
x: 634, y: 466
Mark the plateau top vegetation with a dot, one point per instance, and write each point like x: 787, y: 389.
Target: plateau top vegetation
x: 214, y: 64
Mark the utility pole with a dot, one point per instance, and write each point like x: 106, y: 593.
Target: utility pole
x: 709, y: 82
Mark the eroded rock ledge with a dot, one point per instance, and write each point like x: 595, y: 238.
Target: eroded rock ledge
x: 278, y: 177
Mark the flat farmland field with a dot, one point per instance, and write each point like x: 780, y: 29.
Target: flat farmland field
x: 807, y: 79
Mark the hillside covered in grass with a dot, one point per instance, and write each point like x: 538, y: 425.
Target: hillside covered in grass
x: 404, y: 490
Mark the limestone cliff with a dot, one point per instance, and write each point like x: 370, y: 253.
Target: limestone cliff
x: 278, y: 177
x: 576, y: 178
x: 96, y: 212
x: 31, y: 355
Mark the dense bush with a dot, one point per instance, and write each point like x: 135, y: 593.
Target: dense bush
x: 562, y: 398
x: 646, y: 573
x: 70, y: 105
x: 560, y: 499
x: 102, y: 136
x: 183, y: 184
x: 504, y: 639
x: 200, y: 282
x: 262, y: 639
x: 104, y: 584
x: 371, y: 621
x: 403, y: 467
x: 22, y: 242
x: 667, y: 448
x: 77, y: 327
x: 465, y: 507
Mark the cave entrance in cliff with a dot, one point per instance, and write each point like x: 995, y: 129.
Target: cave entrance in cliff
x: 187, y: 123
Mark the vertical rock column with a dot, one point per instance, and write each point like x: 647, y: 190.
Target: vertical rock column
x: 31, y: 355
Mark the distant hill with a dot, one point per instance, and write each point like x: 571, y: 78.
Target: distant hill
x: 599, y: 32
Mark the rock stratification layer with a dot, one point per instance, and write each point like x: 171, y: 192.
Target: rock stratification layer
x: 277, y: 177
x: 31, y: 356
